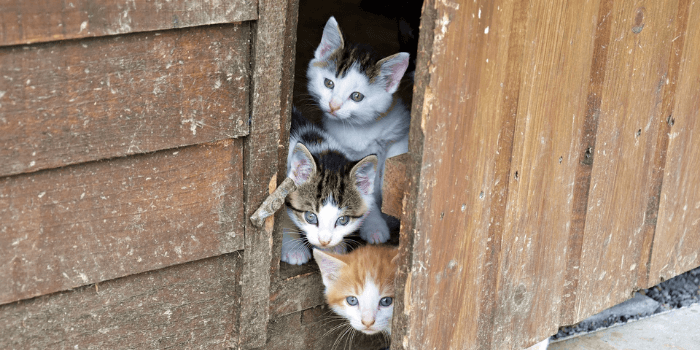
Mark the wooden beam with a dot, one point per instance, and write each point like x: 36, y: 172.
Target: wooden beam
x: 34, y: 21
x: 78, y: 101
x: 97, y: 221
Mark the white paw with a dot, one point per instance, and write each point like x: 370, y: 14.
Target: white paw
x: 295, y: 256
x: 375, y: 234
x: 339, y: 249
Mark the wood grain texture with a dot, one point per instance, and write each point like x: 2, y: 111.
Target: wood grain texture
x: 537, y: 155
x: 32, y: 21
x: 98, y: 221
x: 270, y: 101
x: 394, y: 186
x: 296, y: 293
x: 676, y: 246
x: 462, y: 129
x: 189, y: 306
x: 626, y: 142
x: 545, y: 156
x: 77, y: 101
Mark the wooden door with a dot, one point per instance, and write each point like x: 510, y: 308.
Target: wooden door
x: 552, y: 167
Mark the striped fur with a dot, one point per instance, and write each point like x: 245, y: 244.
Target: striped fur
x: 330, y: 186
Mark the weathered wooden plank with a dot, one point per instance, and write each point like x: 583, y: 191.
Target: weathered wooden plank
x: 584, y: 166
x: 32, y: 21
x: 98, y: 221
x: 188, y: 306
x: 468, y: 73
x: 270, y: 100
x: 77, y: 101
x: 394, y: 186
x: 676, y: 245
x: 624, y: 154
x: 558, y: 46
x: 296, y: 293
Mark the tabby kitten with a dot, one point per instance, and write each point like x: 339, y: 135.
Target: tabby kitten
x: 355, y: 91
x: 334, y: 195
x: 359, y: 286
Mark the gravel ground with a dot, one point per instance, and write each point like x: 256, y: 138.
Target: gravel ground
x: 678, y: 292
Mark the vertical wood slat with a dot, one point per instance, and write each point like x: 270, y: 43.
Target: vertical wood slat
x: 98, y: 221
x: 269, y: 116
x: 188, y: 306
x: 676, y: 245
x: 33, y: 21
x: 77, y: 101
x: 538, y: 219
x: 623, y: 155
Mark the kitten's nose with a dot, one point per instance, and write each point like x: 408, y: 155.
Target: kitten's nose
x: 368, y: 323
x: 334, y: 105
x: 324, y: 243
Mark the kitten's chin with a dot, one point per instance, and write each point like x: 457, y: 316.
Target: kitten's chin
x: 369, y: 331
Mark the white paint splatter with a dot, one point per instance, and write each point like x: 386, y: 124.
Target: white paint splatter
x: 83, y: 26
x: 42, y: 194
x: 486, y: 31
x: 32, y: 163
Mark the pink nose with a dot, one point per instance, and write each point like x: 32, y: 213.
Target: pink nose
x: 334, y: 106
x: 324, y: 243
x: 368, y: 323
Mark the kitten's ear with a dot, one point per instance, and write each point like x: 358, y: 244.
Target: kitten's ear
x: 395, y: 259
x: 302, y: 165
x: 364, y: 173
x: 332, y: 40
x: 392, y: 69
x: 330, y: 267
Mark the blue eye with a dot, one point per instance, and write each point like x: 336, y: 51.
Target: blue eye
x: 310, y: 217
x: 342, y: 221
x: 352, y: 301
x: 329, y: 83
x: 386, y: 301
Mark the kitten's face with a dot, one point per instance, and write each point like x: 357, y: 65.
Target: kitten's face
x: 360, y: 286
x: 348, y: 82
x: 335, y: 197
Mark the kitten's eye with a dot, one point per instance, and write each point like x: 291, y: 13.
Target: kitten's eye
x: 310, y: 217
x: 352, y: 301
x: 386, y: 301
x: 342, y: 221
x: 329, y: 83
x: 357, y: 97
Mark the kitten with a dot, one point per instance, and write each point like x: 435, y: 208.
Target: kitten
x: 334, y: 195
x: 355, y: 91
x: 359, y: 286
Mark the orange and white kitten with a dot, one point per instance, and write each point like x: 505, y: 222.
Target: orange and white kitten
x: 360, y: 286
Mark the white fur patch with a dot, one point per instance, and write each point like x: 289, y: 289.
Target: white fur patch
x: 376, y: 318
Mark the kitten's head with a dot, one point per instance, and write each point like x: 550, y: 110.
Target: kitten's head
x: 349, y: 82
x: 360, y: 286
x: 333, y: 194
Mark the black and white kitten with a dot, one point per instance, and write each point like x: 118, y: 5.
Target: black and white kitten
x: 355, y: 91
x: 334, y: 195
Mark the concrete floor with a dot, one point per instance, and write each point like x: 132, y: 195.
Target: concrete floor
x: 677, y: 329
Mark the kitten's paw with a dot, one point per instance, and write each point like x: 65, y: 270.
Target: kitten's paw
x: 377, y: 237
x: 296, y: 256
x: 339, y: 249
x: 375, y: 234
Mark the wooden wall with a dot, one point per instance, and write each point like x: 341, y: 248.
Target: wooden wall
x: 552, y: 167
x: 135, y: 140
